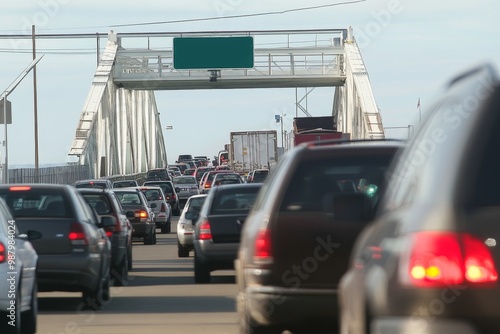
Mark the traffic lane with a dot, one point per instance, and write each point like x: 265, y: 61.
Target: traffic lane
x: 160, y: 297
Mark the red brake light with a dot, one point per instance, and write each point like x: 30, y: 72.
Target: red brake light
x: 438, y: 259
x: 205, y: 231
x: 20, y: 188
x: 3, y: 255
x: 109, y: 234
x: 77, y: 235
x: 263, y: 251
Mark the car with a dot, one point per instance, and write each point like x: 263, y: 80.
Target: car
x: 94, y: 183
x: 18, y: 283
x: 170, y: 192
x: 161, y: 208
x: 74, y: 253
x: 218, y: 227
x: 187, y: 187
x: 158, y: 174
x: 429, y: 261
x: 189, y: 171
x: 202, y: 170
x: 105, y: 203
x: 184, y: 157
x: 139, y: 213
x: 257, y: 175
x: 295, y: 242
x: 226, y: 178
x: 206, y: 180
x: 185, y: 224
x: 125, y: 184
x: 181, y: 166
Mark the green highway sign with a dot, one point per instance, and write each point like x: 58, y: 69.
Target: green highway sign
x: 212, y: 53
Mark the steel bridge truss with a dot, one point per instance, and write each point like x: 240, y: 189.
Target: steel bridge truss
x: 119, y: 131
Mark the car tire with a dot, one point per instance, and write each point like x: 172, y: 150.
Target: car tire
x: 28, y: 318
x: 181, y: 250
x: 129, y: 255
x: 166, y: 228
x: 120, y: 274
x: 150, y: 238
x: 94, y: 299
x: 177, y: 211
x: 247, y: 326
x: 154, y: 236
x: 201, y: 271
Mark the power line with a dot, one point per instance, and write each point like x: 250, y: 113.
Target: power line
x: 239, y: 16
x: 214, y: 18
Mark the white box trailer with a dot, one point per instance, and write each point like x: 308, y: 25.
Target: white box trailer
x: 250, y: 150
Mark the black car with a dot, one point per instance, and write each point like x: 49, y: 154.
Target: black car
x: 105, y: 203
x: 297, y: 239
x: 139, y: 213
x: 170, y: 192
x: 158, y: 174
x: 74, y: 253
x: 429, y: 262
x: 218, y: 227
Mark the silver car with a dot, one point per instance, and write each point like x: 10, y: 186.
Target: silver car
x: 158, y: 202
x: 185, y: 229
x: 188, y: 187
x: 18, y: 285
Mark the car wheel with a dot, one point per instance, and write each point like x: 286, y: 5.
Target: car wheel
x: 166, y: 228
x: 247, y: 326
x: 177, y: 210
x: 28, y: 318
x: 94, y: 299
x: 129, y: 255
x: 201, y: 271
x: 150, y: 238
x: 154, y: 236
x: 120, y: 274
x: 181, y: 250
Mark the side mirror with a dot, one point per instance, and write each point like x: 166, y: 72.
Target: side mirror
x: 353, y: 207
x: 108, y: 221
x: 153, y: 205
x: 130, y: 214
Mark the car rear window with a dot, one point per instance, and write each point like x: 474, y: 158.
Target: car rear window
x: 50, y: 203
x: 124, y: 184
x: 92, y: 184
x: 152, y: 194
x: 128, y: 198
x: 166, y: 187
x: 240, y: 201
x: 316, y: 183
x: 157, y: 174
x: 100, y: 203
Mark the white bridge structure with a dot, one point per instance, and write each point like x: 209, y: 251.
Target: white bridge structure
x: 119, y: 131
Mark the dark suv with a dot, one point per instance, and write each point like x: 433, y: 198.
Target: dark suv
x: 429, y: 262
x: 297, y: 238
x: 158, y: 174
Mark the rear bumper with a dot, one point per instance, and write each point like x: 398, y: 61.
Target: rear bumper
x: 293, y: 307
x: 141, y: 230
x: 77, y: 272
x: 220, y: 256
x: 419, y: 325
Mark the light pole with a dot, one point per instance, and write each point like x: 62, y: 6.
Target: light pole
x: 3, y: 97
x: 279, y: 118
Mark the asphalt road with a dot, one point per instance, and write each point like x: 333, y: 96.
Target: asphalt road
x: 161, y: 297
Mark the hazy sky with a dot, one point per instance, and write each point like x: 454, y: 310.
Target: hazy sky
x: 410, y: 48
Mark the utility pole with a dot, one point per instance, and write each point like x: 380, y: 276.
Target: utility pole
x: 35, y: 107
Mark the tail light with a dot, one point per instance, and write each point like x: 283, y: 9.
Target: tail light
x: 443, y: 258
x: 163, y: 208
x: 109, y: 233
x: 205, y: 231
x: 141, y: 214
x: 263, y: 250
x: 3, y: 254
x: 77, y: 235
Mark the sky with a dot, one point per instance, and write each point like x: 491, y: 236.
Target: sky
x: 411, y: 49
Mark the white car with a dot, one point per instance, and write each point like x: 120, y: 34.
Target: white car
x: 185, y: 231
x: 18, y: 284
